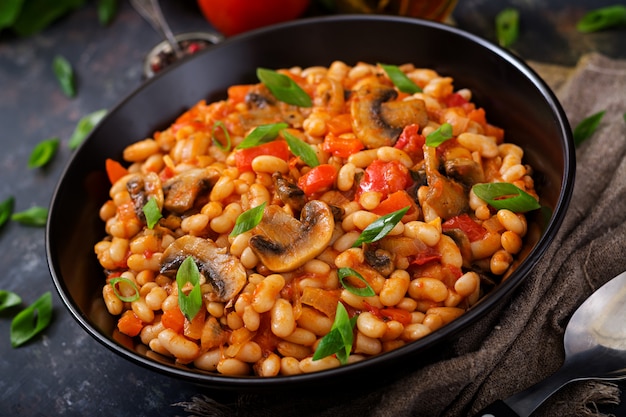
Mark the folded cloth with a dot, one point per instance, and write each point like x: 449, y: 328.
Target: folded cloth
x: 520, y: 342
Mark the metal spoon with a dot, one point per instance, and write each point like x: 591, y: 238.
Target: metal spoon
x: 151, y: 11
x: 595, y: 348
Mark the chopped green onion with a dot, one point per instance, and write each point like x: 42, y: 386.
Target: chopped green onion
x: 379, y: 228
x: 34, y: 216
x: 585, y: 129
x: 507, y: 27
x: 439, y: 136
x: 43, y: 152
x: 191, y: 303
x: 106, y: 11
x: 284, y: 88
x: 301, y: 149
x: 504, y: 195
x: 8, y: 299
x: 65, y: 75
x: 152, y: 212
x: 219, y: 125
x: 262, y: 134
x: 248, y: 219
x: 603, y: 18
x: 6, y: 210
x: 339, y: 340
x: 32, y: 320
x: 400, y: 79
x: 84, y: 127
x: 117, y: 280
x: 344, y: 273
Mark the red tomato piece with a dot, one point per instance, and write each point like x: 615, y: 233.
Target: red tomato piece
x: 342, y: 147
x: 114, y: 170
x: 465, y: 223
x: 396, y: 201
x: 385, y: 178
x: 412, y: 142
x: 454, y: 100
x: 318, y: 179
x: 277, y: 148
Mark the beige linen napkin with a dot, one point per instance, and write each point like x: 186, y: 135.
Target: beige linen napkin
x: 520, y: 342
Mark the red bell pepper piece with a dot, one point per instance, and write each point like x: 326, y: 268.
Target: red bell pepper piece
x: 318, y: 179
x: 341, y: 146
x: 277, y: 148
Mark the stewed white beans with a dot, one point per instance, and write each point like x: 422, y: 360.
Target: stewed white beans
x: 269, y: 294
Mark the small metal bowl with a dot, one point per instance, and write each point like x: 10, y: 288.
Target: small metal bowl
x: 151, y: 64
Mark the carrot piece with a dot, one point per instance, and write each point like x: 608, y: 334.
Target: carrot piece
x: 396, y: 201
x: 341, y: 146
x: 114, y: 170
x: 173, y: 319
x: 238, y: 93
x: 340, y: 124
x: 478, y: 115
x: 129, y: 324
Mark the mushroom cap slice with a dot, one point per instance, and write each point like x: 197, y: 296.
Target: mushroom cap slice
x: 377, y: 120
x: 223, y: 271
x: 284, y: 243
x: 182, y: 190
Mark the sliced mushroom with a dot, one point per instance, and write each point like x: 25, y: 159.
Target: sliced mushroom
x: 141, y: 188
x: 464, y: 170
x: 289, y: 193
x: 380, y: 259
x: 223, y: 271
x: 284, y: 243
x: 377, y: 121
x: 445, y: 197
x: 182, y: 190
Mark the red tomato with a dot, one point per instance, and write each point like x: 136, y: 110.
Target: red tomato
x: 341, y: 146
x: 473, y: 230
x: 412, y: 142
x: 385, y: 178
x: 244, y: 157
x: 317, y: 179
x: 231, y: 17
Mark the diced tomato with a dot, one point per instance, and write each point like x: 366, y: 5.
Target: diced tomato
x: 114, y: 170
x: 412, y: 142
x: 384, y: 177
x: 341, y: 146
x: 238, y: 93
x: 396, y: 201
x: 166, y: 173
x: 478, y: 115
x: 129, y: 324
x: 277, y: 148
x: 455, y: 100
x: 396, y: 314
x: 173, y: 319
x: 424, y: 257
x: 465, y: 223
x: 318, y: 179
x: 340, y: 124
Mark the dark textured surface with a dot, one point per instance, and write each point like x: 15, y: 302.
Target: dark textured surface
x: 64, y: 371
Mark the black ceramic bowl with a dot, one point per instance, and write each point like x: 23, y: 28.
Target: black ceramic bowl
x: 514, y: 97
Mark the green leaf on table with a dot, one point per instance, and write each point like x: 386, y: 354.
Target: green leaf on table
x: 439, y: 136
x: 84, y: 127
x: 32, y: 320
x: 6, y: 210
x: 8, y: 299
x: 191, y: 303
x: 507, y: 26
x: 43, y: 152
x: 301, y: 149
x: 400, y: 79
x: 602, y: 18
x: 64, y: 74
x: 36, y: 15
x: 504, y: 195
x: 339, y: 339
x: 34, y: 216
x: 248, y: 219
x: 586, y: 128
x: 366, y: 291
x: 152, y: 212
x: 262, y: 134
x: 284, y: 88
x: 9, y: 11
x: 380, y: 227
x: 106, y: 11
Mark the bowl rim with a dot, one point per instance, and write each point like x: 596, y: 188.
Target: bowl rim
x: 497, y: 295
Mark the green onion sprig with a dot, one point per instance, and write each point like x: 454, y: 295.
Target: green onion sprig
x: 504, y: 195
x: 379, y: 228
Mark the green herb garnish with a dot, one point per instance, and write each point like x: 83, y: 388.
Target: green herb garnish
x: 8, y: 299
x: 301, y: 149
x: 43, y: 152
x: 344, y: 273
x: 504, y: 195
x: 34, y: 216
x: 603, y: 18
x: 284, y: 88
x: 379, y: 228
x: 439, y: 136
x: 339, y: 340
x: 6, y: 210
x: 65, y: 75
x: 106, y: 11
x: 587, y: 127
x: 191, y: 303
x: 262, y: 134
x: 225, y: 147
x: 114, y: 281
x: 84, y: 127
x: 152, y: 212
x: 31, y: 320
x: 400, y: 79
x: 248, y: 219
x: 507, y: 27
